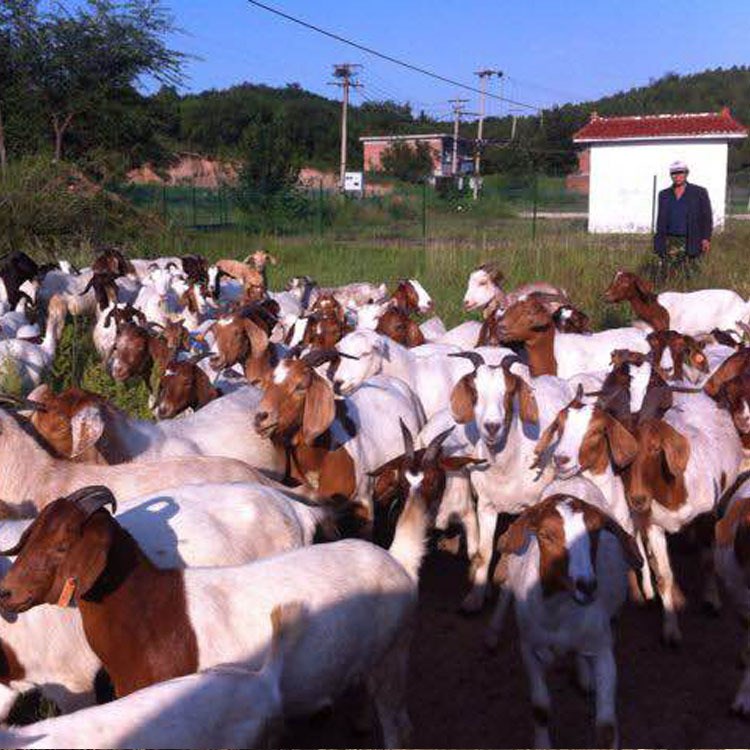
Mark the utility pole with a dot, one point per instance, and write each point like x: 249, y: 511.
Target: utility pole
x: 483, y: 76
x: 458, y: 108
x: 344, y: 73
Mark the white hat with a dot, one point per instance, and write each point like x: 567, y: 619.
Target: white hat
x: 678, y: 166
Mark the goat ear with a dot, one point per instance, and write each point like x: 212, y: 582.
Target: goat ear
x: 726, y: 527
x: 414, y: 337
x: 257, y: 336
x: 676, y: 450
x: 622, y: 445
x: 86, y: 427
x: 516, y: 538
x: 40, y: 394
x: 320, y: 409
x: 546, y: 439
x: 592, y: 454
x: 204, y: 391
x: 88, y: 557
x: 385, y: 485
x: 627, y: 541
x: 464, y: 398
x: 643, y: 287
x: 527, y: 405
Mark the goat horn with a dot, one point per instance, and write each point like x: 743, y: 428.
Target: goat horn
x: 474, y: 357
x: 684, y: 389
x: 317, y: 357
x: 509, y: 360
x: 408, y: 442
x: 431, y: 454
x: 8, y: 400
x: 92, y: 498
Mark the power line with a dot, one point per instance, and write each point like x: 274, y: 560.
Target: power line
x: 383, y: 56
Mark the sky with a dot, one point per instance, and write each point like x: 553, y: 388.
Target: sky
x: 549, y: 51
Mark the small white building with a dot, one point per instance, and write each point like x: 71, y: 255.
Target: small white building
x: 628, y: 164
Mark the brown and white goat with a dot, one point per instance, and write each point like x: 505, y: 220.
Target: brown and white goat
x: 484, y: 291
x: 28, y: 472
x: 397, y: 324
x: 565, y: 563
x: 184, y: 385
x: 84, y: 427
x: 253, y: 283
x: 629, y: 287
x: 137, y: 351
x: 677, y: 475
x: 331, y: 444
x: 562, y: 354
x: 244, y: 338
x: 148, y: 625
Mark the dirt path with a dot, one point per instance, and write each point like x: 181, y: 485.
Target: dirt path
x: 463, y: 696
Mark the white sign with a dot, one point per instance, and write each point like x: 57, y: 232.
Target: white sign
x: 353, y: 182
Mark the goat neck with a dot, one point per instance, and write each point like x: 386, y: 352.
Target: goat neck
x: 646, y: 306
x: 540, y: 351
x: 135, y: 615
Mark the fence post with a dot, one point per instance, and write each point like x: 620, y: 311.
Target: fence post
x: 320, y: 209
x: 653, y: 204
x: 164, y: 201
x: 195, y: 220
x: 536, y: 202
x: 424, y: 210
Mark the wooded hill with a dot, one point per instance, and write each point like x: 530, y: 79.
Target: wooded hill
x: 135, y: 129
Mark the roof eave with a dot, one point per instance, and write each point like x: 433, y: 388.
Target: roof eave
x: 631, y: 139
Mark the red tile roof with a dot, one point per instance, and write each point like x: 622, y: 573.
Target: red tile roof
x: 660, y: 126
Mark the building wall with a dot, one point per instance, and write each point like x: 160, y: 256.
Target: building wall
x: 622, y: 175
x: 373, y: 153
x: 578, y: 182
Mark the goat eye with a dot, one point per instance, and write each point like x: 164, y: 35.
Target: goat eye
x: 62, y: 548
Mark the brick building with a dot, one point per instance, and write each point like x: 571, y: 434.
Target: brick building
x: 441, y: 147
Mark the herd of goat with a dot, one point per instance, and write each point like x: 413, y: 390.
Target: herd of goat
x: 259, y: 555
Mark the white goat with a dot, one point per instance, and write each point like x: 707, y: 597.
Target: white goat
x: 565, y: 566
x: 30, y: 361
x: 427, y: 370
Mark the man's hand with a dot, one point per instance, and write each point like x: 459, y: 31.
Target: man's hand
x: 705, y: 246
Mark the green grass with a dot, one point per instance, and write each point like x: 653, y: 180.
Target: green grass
x: 562, y: 253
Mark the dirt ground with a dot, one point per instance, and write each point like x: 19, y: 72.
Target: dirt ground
x: 463, y: 696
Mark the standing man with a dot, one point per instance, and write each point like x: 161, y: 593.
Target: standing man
x: 684, y: 221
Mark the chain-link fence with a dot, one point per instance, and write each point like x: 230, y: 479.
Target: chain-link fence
x: 388, y: 211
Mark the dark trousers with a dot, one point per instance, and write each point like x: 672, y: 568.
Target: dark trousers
x: 676, y: 262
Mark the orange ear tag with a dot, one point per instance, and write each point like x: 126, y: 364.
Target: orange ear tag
x: 66, y: 595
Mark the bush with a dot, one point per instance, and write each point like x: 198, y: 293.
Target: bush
x: 47, y: 206
x: 77, y: 364
x: 406, y: 162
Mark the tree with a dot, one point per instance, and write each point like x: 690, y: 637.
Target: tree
x: 406, y: 162
x: 17, y: 17
x: 85, y: 60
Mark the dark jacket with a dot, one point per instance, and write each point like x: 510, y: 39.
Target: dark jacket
x: 699, y: 219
